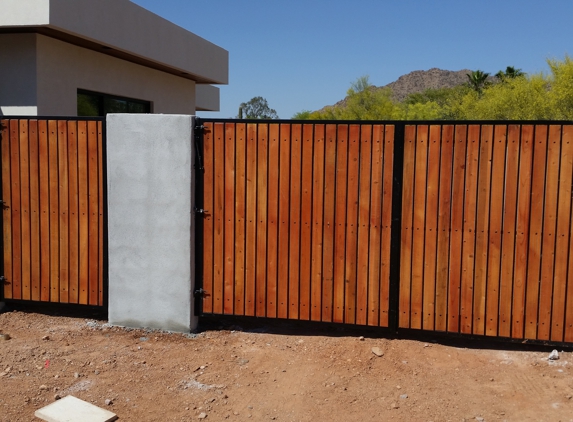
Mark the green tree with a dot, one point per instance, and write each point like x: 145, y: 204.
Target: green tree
x: 478, y: 80
x: 256, y: 108
x: 510, y: 73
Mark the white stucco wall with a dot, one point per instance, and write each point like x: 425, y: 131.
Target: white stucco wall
x: 18, y: 88
x: 126, y: 27
x: 62, y: 68
x: 150, y: 221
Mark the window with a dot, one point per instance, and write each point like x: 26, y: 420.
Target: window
x: 97, y: 104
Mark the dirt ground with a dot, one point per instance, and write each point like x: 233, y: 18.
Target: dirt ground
x: 261, y: 370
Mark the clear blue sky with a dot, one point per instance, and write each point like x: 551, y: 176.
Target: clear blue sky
x: 304, y: 54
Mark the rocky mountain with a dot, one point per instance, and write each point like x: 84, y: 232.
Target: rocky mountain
x: 420, y: 80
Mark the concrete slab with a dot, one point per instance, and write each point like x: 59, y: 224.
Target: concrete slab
x: 72, y: 409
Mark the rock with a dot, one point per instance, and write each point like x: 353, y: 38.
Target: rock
x: 554, y: 355
x: 404, y: 396
x: 361, y: 338
x: 43, y: 387
x: 479, y: 419
x: 377, y: 351
x: 57, y: 397
x: 108, y: 402
x: 203, y: 415
x: 4, y: 337
x: 394, y: 406
x: 76, y: 375
x: 46, y: 338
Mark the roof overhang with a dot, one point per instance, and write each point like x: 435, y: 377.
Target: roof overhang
x: 121, y: 29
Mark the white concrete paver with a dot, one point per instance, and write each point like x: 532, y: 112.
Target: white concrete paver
x: 72, y: 409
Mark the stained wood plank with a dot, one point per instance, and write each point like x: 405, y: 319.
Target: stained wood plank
x: 93, y: 207
x: 407, y: 226
x: 277, y: 292
x: 376, y: 195
x: 7, y: 208
x: 386, y: 224
x: 470, y: 204
x: 63, y: 176
x: 100, y: 214
x: 522, y: 231
x: 535, y: 231
x: 240, y: 217
x: 508, y: 230
x: 73, y: 212
x: 495, y: 229
x: 562, y: 251
x: 295, y: 208
x: 262, y: 214
x: 44, y: 182
x: 444, y: 218
x: 54, y: 212
x: 218, y: 216
x: 322, y: 247
x: 430, y: 247
x: 284, y: 219
x: 350, y: 299
x: 251, y: 220
x: 363, y: 225
x: 16, y: 218
x: 482, y: 228
x: 306, y: 223
x: 420, y: 193
x: 331, y: 298
x: 457, y: 227
x: 208, y: 226
x: 34, y: 212
x: 229, y: 220
x: 549, y: 233
x: 340, y: 213
x: 24, y: 143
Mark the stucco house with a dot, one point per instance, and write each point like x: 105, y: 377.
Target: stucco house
x: 90, y: 57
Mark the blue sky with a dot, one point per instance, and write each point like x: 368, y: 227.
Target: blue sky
x: 304, y: 54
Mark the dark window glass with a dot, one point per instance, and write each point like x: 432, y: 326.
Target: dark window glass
x: 96, y: 104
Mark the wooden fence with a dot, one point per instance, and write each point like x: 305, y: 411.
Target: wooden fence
x: 486, y: 230
x: 300, y: 224
x: 52, y: 192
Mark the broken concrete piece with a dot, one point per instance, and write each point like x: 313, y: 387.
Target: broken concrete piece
x: 72, y: 409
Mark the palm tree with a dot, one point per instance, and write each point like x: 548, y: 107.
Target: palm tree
x: 478, y: 80
x: 510, y: 73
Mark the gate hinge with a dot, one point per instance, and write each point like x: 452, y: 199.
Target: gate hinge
x: 199, y: 293
x: 3, y: 280
x: 200, y: 211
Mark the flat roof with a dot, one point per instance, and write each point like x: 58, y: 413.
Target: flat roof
x: 122, y: 29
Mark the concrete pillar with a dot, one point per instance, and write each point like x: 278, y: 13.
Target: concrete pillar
x: 150, y: 221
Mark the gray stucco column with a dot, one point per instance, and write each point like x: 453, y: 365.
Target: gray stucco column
x: 150, y: 221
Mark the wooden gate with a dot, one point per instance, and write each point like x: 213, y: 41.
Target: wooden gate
x: 301, y: 214
x: 52, y: 193
x: 298, y: 220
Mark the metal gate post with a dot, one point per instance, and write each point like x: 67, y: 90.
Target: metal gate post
x: 396, y: 229
x: 198, y: 212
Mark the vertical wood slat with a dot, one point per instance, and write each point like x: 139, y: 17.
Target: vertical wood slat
x: 55, y: 239
x: 229, y: 219
x: 293, y: 250
x: 240, y: 218
x: 332, y: 299
x: 277, y: 299
x: 339, y: 283
x: 296, y: 289
x: 444, y: 218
